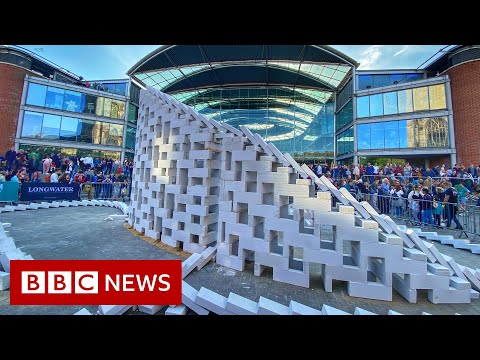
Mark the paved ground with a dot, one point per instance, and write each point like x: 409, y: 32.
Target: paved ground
x: 81, y: 233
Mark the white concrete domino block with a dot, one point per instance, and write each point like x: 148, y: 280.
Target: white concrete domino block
x: 459, y: 283
x: 414, y: 254
x: 420, y: 245
x: 4, y: 280
x: 150, y: 309
x: 190, y: 263
x: 438, y: 256
x: 212, y: 301
x: 454, y: 266
x: 391, y: 312
x: 293, y: 277
x: 359, y: 311
x: 207, y: 255
x: 5, y: 258
x: 33, y: 206
x: 403, y: 289
x: 427, y: 281
x: 370, y: 290
x: 270, y: 307
x: 299, y: 309
x: 425, y: 313
x: 451, y: 296
x: 470, y: 276
x: 6, y: 243
x: 189, y: 294
x: 240, y: 305
x: 113, y: 309
x: 177, y: 310
x: 391, y: 239
x: 474, y: 294
x: 83, y: 311
x: 330, y: 310
x: 477, y: 273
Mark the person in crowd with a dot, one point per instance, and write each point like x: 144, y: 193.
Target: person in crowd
x: 33, y: 165
x: 414, y: 200
x: 462, y: 196
x: 46, y: 163
x: 451, y: 201
x: 88, y: 161
x: 54, y: 177
x: 36, y: 177
x: 397, y: 200
x: 10, y: 157
x: 438, y: 206
x: 79, y: 177
x: 426, y: 206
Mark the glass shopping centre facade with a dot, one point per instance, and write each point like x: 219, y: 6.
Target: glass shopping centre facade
x: 310, y: 101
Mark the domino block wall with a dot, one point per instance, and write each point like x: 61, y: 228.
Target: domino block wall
x: 199, y: 183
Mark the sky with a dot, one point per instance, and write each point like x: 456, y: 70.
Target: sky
x: 102, y: 62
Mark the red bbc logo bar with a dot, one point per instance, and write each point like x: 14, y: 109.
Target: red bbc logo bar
x: 95, y: 282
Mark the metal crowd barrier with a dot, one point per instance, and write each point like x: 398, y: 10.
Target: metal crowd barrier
x: 106, y: 191
x: 399, y: 208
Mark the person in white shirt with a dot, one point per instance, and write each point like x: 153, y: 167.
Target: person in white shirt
x: 54, y: 177
x: 88, y: 161
x: 356, y: 172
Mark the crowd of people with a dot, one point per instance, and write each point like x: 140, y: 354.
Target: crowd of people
x: 107, y: 177
x: 426, y: 195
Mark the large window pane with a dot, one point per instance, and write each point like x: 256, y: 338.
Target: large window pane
x: 420, y: 98
x: 405, y: 102
x: 118, y: 109
x: 68, y: 129
x: 74, y: 101
x: 405, y: 134
x: 365, y: 82
x: 130, y: 140
x: 32, y: 125
x: 376, y: 105
x: 363, y: 107
x: 36, y: 94
x: 132, y: 113
x: 121, y: 110
x: 100, y: 132
x: 398, y: 78
x: 391, y: 135
x: 54, y: 98
x: 437, y: 97
x: 377, y: 136
x: 390, y: 103
x: 121, y: 89
x: 85, y: 131
x: 99, y: 109
x: 381, y: 80
x: 107, y: 107
x: 363, y: 135
x: 90, y: 104
x: 414, y: 77
x: 345, y: 115
x: 51, y: 127
x: 115, y: 135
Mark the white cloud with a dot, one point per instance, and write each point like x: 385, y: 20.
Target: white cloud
x: 405, y: 48
x: 128, y: 56
x: 370, y: 56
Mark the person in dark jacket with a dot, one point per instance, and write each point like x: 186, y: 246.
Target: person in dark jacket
x: 33, y: 165
x: 427, y: 206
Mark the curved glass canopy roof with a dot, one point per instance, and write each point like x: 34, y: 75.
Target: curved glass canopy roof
x: 283, y: 92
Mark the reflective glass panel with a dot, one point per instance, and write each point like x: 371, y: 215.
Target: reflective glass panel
x: 51, y: 127
x: 90, y: 104
x: 100, y: 132
x: 398, y: 78
x: 99, y: 108
x: 32, y: 125
x: 377, y: 136
x: 365, y: 82
x: 437, y: 97
x: 114, y: 111
x: 74, y: 101
x: 376, y: 105
x: 121, y: 110
x: 390, y: 103
x: 54, y: 98
x: 85, y: 131
x: 68, y: 129
x: 420, y: 98
x: 381, y: 80
x: 391, y: 135
x: 345, y: 115
x: 363, y: 135
x: 36, y: 94
x: 114, y: 135
x: 132, y: 113
x: 405, y: 102
x: 121, y: 89
x: 414, y: 77
x: 130, y: 140
x: 405, y: 137
x: 363, y: 107
x: 107, y: 107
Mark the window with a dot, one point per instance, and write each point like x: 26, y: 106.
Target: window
x: 74, y: 101
x: 90, y: 104
x: 32, y: 125
x: 376, y: 105
x: 377, y: 136
x: 85, y: 131
x: 437, y: 97
x: 363, y: 135
x: 363, y: 106
x: 99, y: 108
x: 132, y: 113
x: 345, y: 141
x: 420, y: 98
x: 114, y: 135
x: 398, y: 78
x: 121, y: 89
x: 345, y: 116
x: 36, y: 94
x: 365, y: 82
x: 405, y: 135
x: 391, y: 135
x: 414, y: 77
x: 107, y: 107
x: 130, y: 140
x: 68, y: 129
x: 51, y: 127
x: 405, y: 102
x: 118, y: 109
x: 54, y: 98
x: 390, y: 103
x: 100, y: 132
x: 381, y: 80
